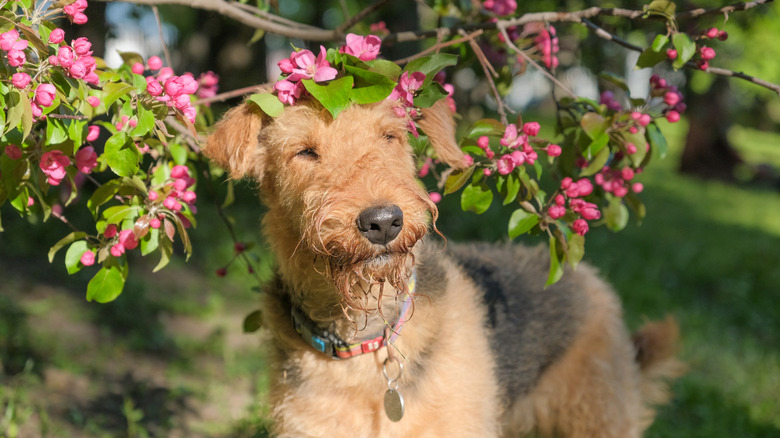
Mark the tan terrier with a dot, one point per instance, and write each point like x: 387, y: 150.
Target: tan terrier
x: 378, y: 332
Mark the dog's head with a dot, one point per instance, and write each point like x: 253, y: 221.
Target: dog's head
x: 342, y: 191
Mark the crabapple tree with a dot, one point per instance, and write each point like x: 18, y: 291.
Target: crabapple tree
x: 123, y: 143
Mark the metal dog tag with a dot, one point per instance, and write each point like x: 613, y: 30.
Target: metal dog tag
x: 394, y: 405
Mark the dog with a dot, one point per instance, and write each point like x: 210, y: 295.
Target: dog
x: 379, y: 330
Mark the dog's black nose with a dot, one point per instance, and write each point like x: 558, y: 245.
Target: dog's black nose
x: 381, y: 224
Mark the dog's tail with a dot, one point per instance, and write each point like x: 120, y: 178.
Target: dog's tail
x: 656, y: 349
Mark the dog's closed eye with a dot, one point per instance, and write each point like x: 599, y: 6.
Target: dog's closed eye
x: 308, y: 153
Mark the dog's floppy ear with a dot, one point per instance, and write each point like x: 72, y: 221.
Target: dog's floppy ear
x: 439, y: 124
x: 233, y: 144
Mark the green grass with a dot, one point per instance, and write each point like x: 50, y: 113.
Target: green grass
x: 707, y: 252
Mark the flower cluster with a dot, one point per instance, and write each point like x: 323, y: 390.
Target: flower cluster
x: 364, y: 48
x: 573, y: 193
x: 54, y: 164
x: 175, y: 191
x: 10, y: 42
x: 75, y: 11
x: 76, y: 60
x: 174, y: 91
x: 672, y: 97
x: 516, y: 147
x: 302, y: 65
x: 618, y: 181
x: 403, y: 94
x: 500, y: 7
x: 208, y: 85
x: 706, y: 54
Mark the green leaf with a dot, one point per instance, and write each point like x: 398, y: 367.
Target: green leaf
x: 456, y: 180
x: 429, y: 95
x: 659, y: 42
x: 685, y: 49
x: 253, y: 322
x: 146, y: 122
x: 230, y: 195
x: 664, y: 8
x: 388, y: 69
x: 150, y: 242
x: 370, y: 87
x: 178, y: 152
x: 121, y: 154
x: 521, y: 222
x: 594, y: 125
x: 268, y: 103
x: 73, y: 256
x: 476, y: 197
x: 116, y: 214
x: 166, y: 250
x: 333, y: 95
x: 596, y: 145
x: 113, y: 91
x: 575, y: 249
x: 430, y: 65
x: 616, y: 214
x: 615, y: 80
x: 556, y: 270
x: 19, y: 111
x: 102, y: 194
x: 70, y: 238
x: 511, y: 188
x: 106, y: 285
x: 490, y: 127
x: 56, y: 132
x: 597, y: 163
x: 657, y: 140
x: 649, y: 57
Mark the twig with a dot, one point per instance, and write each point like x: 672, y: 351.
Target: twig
x: 600, y: 32
x: 528, y: 59
x: 438, y: 47
x: 221, y: 97
x: 230, y: 10
x: 490, y: 73
x: 166, y: 53
x: 360, y: 16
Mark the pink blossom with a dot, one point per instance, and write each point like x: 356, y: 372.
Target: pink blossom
x: 77, y: 70
x: 631, y: 148
x: 671, y: 54
x: 137, y: 68
x: 82, y: 46
x: 7, y: 39
x: 37, y: 112
x: 153, y: 87
x: 500, y: 7
x: 180, y: 171
x: 117, y: 250
x: 673, y: 116
x: 110, y: 231
x: 364, y: 48
x: 553, y: 150
x: 93, y: 101
x: 155, y: 223
x: 556, y: 211
x: 531, y: 129
x: 53, y: 164
x: 671, y: 98
x: 127, y: 239
x: 486, y: 171
x: 645, y: 119
x: 435, y: 197
x: 483, y: 142
x: 154, y: 63
x: 20, y: 80
x: 189, y: 196
x: 288, y: 92
x: 580, y: 226
x: 65, y: 57
x: 286, y: 66
x: 208, y: 85
x: 379, y: 28
x: 93, y: 131
x: 309, y: 67
x: 637, y: 187
x: 13, y: 152
x: 172, y: 203
x: 707, y: 53
x: 79, y: 18
x: 408, y: 84
x: 711, y: 32
x: 86, y: 159
x: 56, y: 36
x: 505, y: 165
x: 45, y: 94
x: 88, y: 258
x: 16, y: 58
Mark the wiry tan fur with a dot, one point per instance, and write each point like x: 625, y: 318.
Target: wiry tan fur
x: 316, y: 175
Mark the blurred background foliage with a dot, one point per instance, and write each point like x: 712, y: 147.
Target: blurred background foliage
x: 168, y: 358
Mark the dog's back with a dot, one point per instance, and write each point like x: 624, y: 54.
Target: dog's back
x: 562, y: 354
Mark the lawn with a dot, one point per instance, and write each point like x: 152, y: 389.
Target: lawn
x: 168, y: 358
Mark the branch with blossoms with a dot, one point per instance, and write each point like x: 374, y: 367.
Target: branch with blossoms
x: 139, y: 185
